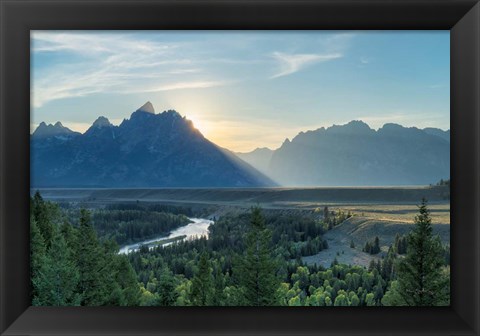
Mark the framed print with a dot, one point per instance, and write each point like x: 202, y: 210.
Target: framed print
x: 258, y: 167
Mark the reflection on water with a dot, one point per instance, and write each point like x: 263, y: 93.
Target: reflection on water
x: 194, y: 230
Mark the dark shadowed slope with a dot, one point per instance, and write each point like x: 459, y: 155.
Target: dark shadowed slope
x: 147, y: 150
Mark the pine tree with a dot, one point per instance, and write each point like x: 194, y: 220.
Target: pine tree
x: 126, y: 278
x: 257, y: 269
x: 420, y: 278
x: 70, y: 234
x: 92, y: 265
x: 202, y: 283
x: 166, y: 291
x: 219, y: 285
x: 367, y: 248
x: 371, y: 265
x: 40, y: 212
x: 37, y: 255
x: 396, y: 244
x: 57, y: 281
x: 376, y: 246
x: 387, y: 264
x: 403, y: 245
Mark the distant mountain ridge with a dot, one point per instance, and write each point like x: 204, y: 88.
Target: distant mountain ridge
x: 43, y: 130
x: 259, y: 158
x: 438, y: 132
x: 147, y: 150
x: 356, y: 155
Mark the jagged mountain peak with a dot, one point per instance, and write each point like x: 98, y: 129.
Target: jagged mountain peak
x: 353, y: 127
x: 147, y: 112
x: 393, y: 129
x: 101, y: 122
x: 147, y: 107
x: 47, y: 130
x: 172, y: 113
x: 147, y: 120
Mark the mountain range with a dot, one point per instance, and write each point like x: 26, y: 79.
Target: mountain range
x: 166, y: 150
x: 146, y: 150
x: 356, y: 155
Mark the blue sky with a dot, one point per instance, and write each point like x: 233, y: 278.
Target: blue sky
x: 244, y: 90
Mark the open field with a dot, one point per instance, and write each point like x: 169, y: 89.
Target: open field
x: 369, y: 221
x: 361, y: 229
x: 268, y: 197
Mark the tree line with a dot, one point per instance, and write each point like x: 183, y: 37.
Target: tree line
x: 128, y: 224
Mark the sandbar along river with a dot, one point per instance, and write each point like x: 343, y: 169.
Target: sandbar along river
x: 197, y: 229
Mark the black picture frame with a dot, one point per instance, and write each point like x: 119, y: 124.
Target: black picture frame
x: 18, y: 17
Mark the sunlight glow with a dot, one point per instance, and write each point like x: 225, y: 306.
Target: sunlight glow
x: 198, y: 123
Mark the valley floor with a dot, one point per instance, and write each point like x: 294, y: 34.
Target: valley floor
x: 377, y: 212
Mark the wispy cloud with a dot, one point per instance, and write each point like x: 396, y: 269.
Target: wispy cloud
x: 326, y: 48
x: 93, y: 43
x: 183, y: 85
x: 291, y: 63
x: 113, y: 63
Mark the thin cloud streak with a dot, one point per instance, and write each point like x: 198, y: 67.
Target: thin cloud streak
x: 291, y: 63
x: 93, y: 43
x: 184, y: 85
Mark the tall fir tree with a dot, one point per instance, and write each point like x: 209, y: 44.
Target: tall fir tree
x: 70, y: 234
x: 219, y: 285
x: 92, y: 265
x: 40, y: 211
x: 126, y: 278
x: 202, y: 284
x: 56, y: 284
x: 258, y: 267
x: 37, y: 256
x: 376, y: 246
x: 421, y: 280
x: 167, y: 294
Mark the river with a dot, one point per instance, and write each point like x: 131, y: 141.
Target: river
x: 194, y: 230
